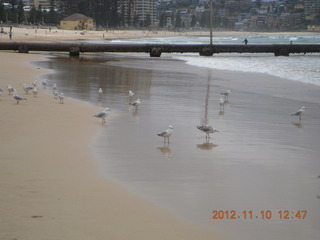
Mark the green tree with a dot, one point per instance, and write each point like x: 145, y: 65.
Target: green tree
x: 20, y: 12
x: 193, y: 20
x: 148, y: 20
x: 2, y: 13
x: 178, y: 21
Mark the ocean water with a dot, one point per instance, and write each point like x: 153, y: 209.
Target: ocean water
x: 261, y: 160
x: 297, y: 67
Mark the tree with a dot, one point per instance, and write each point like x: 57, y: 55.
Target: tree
x: 193, y: 20
x: 20, y: 12
x: 148, y: 20
x: 2, y: 13
x: 178, y: 21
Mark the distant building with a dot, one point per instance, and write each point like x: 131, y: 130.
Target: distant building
x: 45, y: 4
x: 312, y: 9
x: 78, y: 21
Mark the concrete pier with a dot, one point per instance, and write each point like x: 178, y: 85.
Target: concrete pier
x: 155, y: 50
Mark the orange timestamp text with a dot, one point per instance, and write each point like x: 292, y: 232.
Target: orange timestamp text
x: 263, y: 214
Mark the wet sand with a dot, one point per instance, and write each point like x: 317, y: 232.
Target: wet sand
x: 49, y: 180
x: 262, y: 159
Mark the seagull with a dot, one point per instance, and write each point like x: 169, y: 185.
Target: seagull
x: 35, y: 83
x: 55, y: 93
x: 299, y: 113
x: 207, y: 129
x: 54, y: 87
x: 16, y: 97
x: 35, y: 91
x: 103, y: 114
x: 166, y: 134
x: 221, y: 102
x: 100, y: 92
x: 136, y: 103
x: 27, y: 88
x: 131, y: 94
x: 226, y: 94
x: 44, y: 83
x: 61, y: 97
x: 10, y: 89
x: 0, y: 91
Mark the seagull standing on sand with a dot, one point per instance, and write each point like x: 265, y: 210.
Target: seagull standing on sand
x: 299, y: 113
x: 55, y: 93
x: 103, y: 114
x: 35, y: 83
x: 221, y: 102
x: 61, y: 97
x: 54, y: 87
x: 207, y: 129
x: 44, y: 83
x: 136, y: 103
x: 166, y: 134
x: 100, y: 92
x: 35, y: 91
x: 27, y: 88
x: 17, y: 97
x: 10, y: 89
x: 226, y: 94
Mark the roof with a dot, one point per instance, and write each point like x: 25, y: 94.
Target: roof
x: 75, y: 17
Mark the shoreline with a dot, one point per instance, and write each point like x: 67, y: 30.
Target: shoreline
x: 60, y: 35
x: 257, y: 121
x: 50, y: 183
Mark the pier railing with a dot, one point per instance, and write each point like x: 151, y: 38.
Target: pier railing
x: 155, y: 50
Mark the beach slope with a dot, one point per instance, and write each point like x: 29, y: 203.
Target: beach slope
x: 49, y: 180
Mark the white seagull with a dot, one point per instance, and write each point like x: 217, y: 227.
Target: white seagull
x: 299, y: 113
x: 54, y: 87
x: 166, y: 134
x: 131, y: 94
x: 207, y: 129
x: 17, y: 97
x: 100, y: 92
x: 61, y: 97
x: 35, y: 91
x: 10, y: 89
x: 136, y: 103
x: 55, y: 93
x: 221, y: 102
x: 226, y: 94
x: 35, y: 83
x: 27, y: 88
x: 44, y: 83
x: 103, y: 114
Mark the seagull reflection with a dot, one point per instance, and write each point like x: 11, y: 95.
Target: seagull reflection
x: 206, y: 146
x: 165, y: 150
x: 221, y: 113
x: 297, y: 124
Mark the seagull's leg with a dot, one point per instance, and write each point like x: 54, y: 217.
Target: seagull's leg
x: 300, y: 118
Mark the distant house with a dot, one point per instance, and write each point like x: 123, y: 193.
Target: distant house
x: 77, y: 21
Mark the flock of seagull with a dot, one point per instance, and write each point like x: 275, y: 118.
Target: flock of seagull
x: 12, y: 91
x: 166, y: 134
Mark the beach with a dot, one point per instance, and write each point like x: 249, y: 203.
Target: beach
x: 50, y: 186
x: 64, y: 175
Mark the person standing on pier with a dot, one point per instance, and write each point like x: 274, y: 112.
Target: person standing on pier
x: 245, y: 41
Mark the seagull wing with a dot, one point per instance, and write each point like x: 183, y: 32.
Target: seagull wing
x: 99, y: 115
x: 163, y: 133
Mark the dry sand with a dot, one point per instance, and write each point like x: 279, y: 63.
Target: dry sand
x: 49, y: 179
x: 57, y: 35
